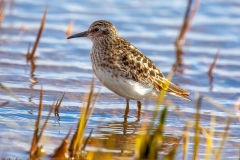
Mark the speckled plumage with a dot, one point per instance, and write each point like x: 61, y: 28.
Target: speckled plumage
x: 122, y: 68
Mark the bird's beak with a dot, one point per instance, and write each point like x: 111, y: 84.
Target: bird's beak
x: 82, y: 34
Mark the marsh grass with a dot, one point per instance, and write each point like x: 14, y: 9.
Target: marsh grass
x: 3, y: 6
x: 69, y: 29
x: 77, y: 146
x: 189, y: 15
x: 31, y: 55
x: 56, y: 107
x: 179, y: 66
x: 12, y: 94
x: 37, y: 151
x: 210, y: 71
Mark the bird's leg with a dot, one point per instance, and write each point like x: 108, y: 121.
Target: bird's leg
x: 139, y: 105
x: 126, y: 110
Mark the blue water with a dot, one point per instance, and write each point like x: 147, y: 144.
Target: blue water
x: 65, y: 66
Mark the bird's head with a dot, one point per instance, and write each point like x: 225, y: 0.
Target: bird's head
x: 99, y: 31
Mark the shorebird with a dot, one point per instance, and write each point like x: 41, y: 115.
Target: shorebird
x: 123, y: 69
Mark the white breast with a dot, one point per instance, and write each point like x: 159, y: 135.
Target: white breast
x: 122, y: 86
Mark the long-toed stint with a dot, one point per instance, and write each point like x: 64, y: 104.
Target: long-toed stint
x: 123, y: 69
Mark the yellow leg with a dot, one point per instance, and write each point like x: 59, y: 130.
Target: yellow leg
x: 126, y: 110
x: 139, y: 105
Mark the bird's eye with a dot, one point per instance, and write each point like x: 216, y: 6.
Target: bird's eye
x: 96, y: 29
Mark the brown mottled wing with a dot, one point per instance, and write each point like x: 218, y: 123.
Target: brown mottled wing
x: 138, y: 67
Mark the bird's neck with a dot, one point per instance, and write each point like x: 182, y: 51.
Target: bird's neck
x: 104, y: 41
x: 102, y: 52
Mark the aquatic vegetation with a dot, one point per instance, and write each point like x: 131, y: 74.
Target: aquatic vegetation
x: 210, y: 71
x: 189, y: 15
x: 31, y: 56
x: 3, y: 6
x: 37, y: 151
x: 149, y: 140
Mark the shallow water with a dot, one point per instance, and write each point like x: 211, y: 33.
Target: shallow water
x: 64, y: 66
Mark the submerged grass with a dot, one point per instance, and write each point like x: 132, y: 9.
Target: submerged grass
x: 56, y: 107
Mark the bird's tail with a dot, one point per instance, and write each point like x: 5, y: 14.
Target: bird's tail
x: 178, y: 92
x: 172, y: 89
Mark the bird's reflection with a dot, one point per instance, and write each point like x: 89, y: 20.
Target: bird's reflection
x: 122, y: 136
x: 118, y: 136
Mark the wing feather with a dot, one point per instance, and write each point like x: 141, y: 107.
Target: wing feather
x: 138, y: 67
